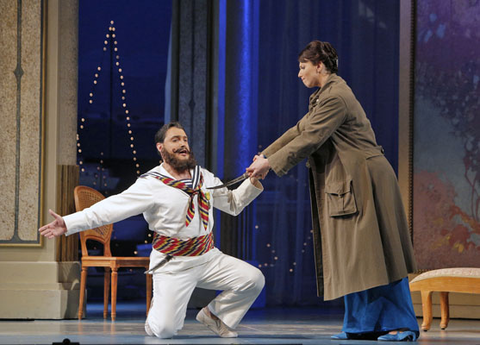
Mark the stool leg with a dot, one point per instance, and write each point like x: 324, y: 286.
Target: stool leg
x: 83, y: 283
x: 427, y: 310
x: 444, y: 309
x: 114, y: 293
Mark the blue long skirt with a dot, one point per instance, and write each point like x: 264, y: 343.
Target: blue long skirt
x: 380, y: 310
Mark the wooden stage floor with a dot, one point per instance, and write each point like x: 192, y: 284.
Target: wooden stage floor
x: 262, y: 326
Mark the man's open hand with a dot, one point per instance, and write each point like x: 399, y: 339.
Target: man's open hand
x: 55, y: 228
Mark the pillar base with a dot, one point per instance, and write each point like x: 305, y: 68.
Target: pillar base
x: 39, y: 290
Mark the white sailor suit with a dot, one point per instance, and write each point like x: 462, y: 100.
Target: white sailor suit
x: 164, y: 208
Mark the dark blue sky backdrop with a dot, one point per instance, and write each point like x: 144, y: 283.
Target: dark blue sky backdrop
x: 142, y: 35
x: 142, y: 29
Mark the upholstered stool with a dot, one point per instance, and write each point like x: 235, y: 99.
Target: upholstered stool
x: 463, y: 279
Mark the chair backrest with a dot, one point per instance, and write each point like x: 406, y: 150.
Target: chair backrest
x: 84, y: 198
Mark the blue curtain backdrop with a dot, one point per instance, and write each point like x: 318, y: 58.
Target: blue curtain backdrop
x: 366, y: 36
x: 259, y: 97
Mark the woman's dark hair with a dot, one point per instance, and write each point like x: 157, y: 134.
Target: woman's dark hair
x: 160, y: 135
x: 317, y: 51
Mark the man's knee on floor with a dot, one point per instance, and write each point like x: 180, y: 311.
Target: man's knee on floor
x: 163, y: 330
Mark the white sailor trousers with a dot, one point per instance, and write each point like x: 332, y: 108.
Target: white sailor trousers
x: 240, y: 282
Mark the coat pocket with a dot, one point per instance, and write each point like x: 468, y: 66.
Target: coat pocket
x: 340, y: 199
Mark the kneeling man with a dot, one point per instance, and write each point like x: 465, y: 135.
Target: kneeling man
x: 178, y: 207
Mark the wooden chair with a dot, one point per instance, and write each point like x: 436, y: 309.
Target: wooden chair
x: 86, y: 197
x: 445, y: 280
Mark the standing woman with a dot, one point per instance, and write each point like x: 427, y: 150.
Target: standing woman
x: 362, y: 244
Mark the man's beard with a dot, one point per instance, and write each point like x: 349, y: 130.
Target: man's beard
x: 177, y: 164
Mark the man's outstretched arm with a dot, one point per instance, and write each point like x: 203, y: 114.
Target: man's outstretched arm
x: 55, y: 228
x: 234, y: 201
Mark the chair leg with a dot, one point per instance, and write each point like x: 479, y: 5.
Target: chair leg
x: 114, y: 292
x: 106, y: 291
x: 427, y: 309
x: 149, y: 291
x: 444, y: 309
x: 83, y: 283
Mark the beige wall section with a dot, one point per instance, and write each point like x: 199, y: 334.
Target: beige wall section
x: 68, y: 81
x: 462, y: 305
x: 20, y: 97
x: 37, y: 285
x: 30, y: 153
x: 8, y: 61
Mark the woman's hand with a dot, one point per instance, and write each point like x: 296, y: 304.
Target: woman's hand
x: 55, y: 228
x: 259, y: 168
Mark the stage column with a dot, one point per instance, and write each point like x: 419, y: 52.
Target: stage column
x: 240, y: 121
x: 40, y: 278
x: 190, y: 73
x: 191, y: 87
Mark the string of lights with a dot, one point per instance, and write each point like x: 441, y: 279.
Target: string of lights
x: 112, y: 43
x: 275, y: 256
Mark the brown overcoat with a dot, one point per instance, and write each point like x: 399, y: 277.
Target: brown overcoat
x: 361, y: 235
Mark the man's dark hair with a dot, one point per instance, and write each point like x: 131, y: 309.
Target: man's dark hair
x: 162, y: 132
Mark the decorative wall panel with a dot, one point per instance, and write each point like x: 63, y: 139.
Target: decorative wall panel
x: 446, y: 156
x: 21, y: 120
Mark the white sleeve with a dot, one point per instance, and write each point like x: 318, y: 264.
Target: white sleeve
x: 134, y: 200
x: 234, y: 201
